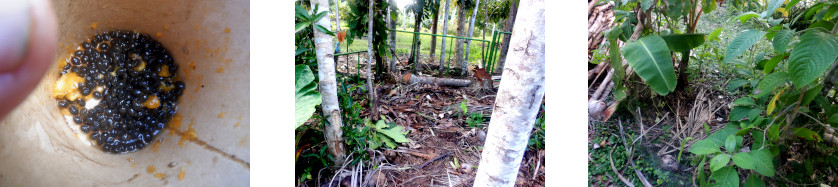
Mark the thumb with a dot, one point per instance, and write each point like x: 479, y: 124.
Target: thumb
x: 28, y: 40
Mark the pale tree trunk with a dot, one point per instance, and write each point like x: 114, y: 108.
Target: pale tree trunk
x: 337, y: 15
x: 519, y: 98
x: 371, y: 89
x: 458, y: 51
x: 328, y: 87
x: 392, y: 24
x: 433, y: 31
x: 444, y: 32
x: 510, y: 22
x: 471, y: 29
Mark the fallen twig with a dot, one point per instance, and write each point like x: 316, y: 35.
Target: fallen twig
x: 435, y: 159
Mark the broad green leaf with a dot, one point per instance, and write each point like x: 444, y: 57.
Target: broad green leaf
x: 714, y: 36
x: 650, y: 58
x: 738, y: 113
x: 812, y: 56
x: 774, y: 132
x: 769, y: 82
x: 306, y: 95
x: 700, y: 171
x: 736, y: 83
x: 374, y: 143
x: 772, y: 6
x: 395, y: 133
x: 616, y: 61
x: 776, y: 22
x: 704, y: 147
x: 811, y: 94
x: 814, y: 9
x: 773, y: 103
x: 833, y: 119
x: 300, y: 51
x: 744, y: 160
x: 827, y: 25
x: 759, y: 60
x: 763, y: 162
x: 754, y: 113
x: 300, y: 26
x: 389, y: 142
x: 782, y: 39
x: 719, y: 161
x: 744, y: 101
x: 380, y: 125
x: 718, y: 138
x: 730, y: 143
x: 708, y: 6
x: 754, y: 181
x: 769, y: 66
x: 683, y: 42
x: 646, y: 4
x: 301, y: 13
x: 807, y: 134
x: 317, y: 16
x: 744, y: 131
x: 726, y: 176
x: 744, y: 17
x: 678, y: 8
x: 741, y: 43
x: 324, y: 30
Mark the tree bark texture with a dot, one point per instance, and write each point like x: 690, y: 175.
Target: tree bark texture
x: 433, y: 31
x: 458, y: 50
x: 328, y: 87
x: 504, y: 46
x: 392, y: 24
x: 444, y: 33
x: 471, y: 30
x: 518, y: 100
x: 373, y: 103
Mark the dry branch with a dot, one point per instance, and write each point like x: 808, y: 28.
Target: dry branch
x: 412, y: 79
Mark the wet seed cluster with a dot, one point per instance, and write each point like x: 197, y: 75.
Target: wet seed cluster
x: 133, y: 78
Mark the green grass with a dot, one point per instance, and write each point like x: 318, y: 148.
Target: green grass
x: 404, y: 41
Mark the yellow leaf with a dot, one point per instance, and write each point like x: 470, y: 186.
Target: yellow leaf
x: 773, y: 103
x: 784, y: 11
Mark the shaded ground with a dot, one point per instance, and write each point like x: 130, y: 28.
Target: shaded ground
x: 656, y: 129
x: 440, y: 138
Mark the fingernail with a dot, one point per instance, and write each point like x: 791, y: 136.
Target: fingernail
x: 14, y: 34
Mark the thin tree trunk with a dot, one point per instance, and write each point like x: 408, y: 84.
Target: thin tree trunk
x: 433, y: 31
x: 371, y: 89
x: 510, y: 22
x: 458, y: 51
x: 518, y: 101
x: 444, y: 32
x: 392, y: 24
x: 328, y: 87
x: 483, y: 32
x: 471, y: 30
x: 414, y: 49
x: 337, y: 15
